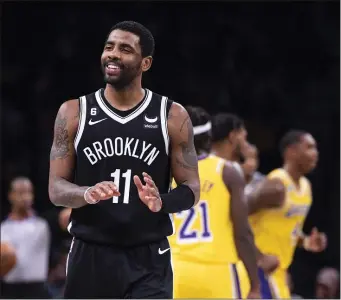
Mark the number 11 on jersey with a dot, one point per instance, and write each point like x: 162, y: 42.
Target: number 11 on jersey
x: 117, y: 176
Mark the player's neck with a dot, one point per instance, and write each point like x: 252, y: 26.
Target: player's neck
x: 224, y: 152
x: 126, y: 98
x: 20, y: 214
x: 293, y: 172
x: 248, y: 178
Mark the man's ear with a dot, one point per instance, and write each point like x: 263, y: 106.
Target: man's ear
x: 146, y: 63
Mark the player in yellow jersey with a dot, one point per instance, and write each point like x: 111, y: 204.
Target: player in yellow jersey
x: 211, y: 236
x: 250, y: 166
x: 230, y: 142
x: 277, y: 221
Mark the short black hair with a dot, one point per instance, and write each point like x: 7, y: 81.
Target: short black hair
x: 18, y: 179
x: 223, y: 124
x: 147, y: 42
x: 292, y: 137
x: 200, y: 116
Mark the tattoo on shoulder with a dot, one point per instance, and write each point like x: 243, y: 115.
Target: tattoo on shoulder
x: 60, y: 148
x: 170, y: 116
x: 189, y: 155
x: 183, y: 123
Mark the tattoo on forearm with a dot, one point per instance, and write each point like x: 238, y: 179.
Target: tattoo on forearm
x: 67, y: 193
x: 182, y: 165
x: 60, y: 147
x: 60, y: 188
x: 189, y: 155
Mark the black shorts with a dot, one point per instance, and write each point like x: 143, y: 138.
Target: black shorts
x: 100, y: 271
x: 29, y: 290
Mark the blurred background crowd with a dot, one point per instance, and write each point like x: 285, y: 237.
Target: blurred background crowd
x: 277, y: 65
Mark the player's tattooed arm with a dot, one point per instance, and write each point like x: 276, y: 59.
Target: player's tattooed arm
x: 62, y: 191
x: 184, y: 162
x: 270, y: 193
x: 242, y: 232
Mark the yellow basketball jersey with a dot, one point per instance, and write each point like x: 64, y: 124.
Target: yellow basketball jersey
x: 204, y: 232
x: 276, y: 230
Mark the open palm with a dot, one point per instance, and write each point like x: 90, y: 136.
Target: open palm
x: 148, y: 193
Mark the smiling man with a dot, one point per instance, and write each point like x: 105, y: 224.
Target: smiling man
x: 102, y: 143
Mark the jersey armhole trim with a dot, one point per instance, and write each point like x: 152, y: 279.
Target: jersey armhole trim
x: 220, y: 166
x: 164, y: 123
x: 238, y: 168
x: 81, y: 122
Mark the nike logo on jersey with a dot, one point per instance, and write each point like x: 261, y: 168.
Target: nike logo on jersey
x: 163, y: 251
x: 95, y: 122
x: 150, y: 120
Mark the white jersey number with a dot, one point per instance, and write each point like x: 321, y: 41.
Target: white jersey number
x: 117, y: 176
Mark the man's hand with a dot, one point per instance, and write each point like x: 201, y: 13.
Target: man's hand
x: 316, y: 242
x: 148, y: 193
x: 101, y: 191
x: 268, y: 263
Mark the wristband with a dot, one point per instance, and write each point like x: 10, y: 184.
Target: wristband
x: 179, y: 199
x: 306, y: 243
x: 87, y: 200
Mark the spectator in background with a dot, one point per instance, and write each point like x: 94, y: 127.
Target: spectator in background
x: 29, y: 235
x: 327, y: 284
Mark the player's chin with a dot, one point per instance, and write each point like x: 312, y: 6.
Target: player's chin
x: 111, y: 79
x: 311, y: 166
x: 26, y: 204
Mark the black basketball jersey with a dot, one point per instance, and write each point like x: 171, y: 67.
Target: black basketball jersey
x: 113, y: 145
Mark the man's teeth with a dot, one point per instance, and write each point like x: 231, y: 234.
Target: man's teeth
x: 113, y: 67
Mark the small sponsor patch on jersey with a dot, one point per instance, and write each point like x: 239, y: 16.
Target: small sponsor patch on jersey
x: 150, y: 120
x: 297, y: 210
x: 150, y: 126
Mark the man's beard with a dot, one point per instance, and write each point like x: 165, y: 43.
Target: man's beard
x: 119, y: 83
x: 125, y: 78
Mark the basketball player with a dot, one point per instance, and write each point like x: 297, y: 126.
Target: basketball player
x: 229, y: 142
x: 103, y: 143
x: 211, y: 236
x: 249, y: 166
x: 229, y: 136
x: 250, y: 161
x: 277, y: 221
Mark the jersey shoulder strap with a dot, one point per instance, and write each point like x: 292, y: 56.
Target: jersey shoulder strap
x: 218, y: 163
x: 163, y: 105
x: 84, y: 103
x: 280, y: 174
x: 238, y: 167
